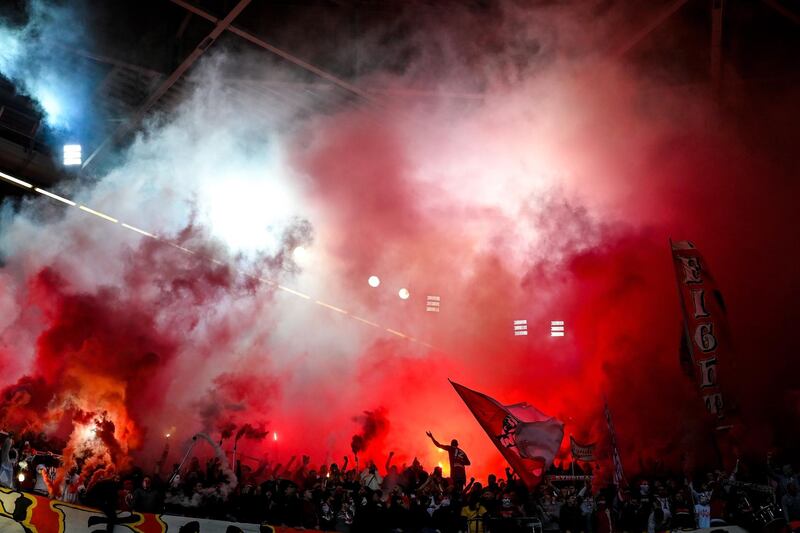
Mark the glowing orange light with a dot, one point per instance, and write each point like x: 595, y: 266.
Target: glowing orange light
x: 275, y: 435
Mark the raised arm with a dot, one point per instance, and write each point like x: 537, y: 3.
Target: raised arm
x: 694, y: 493
x: 389, y: 462
x: 287, y: 470
x: 469, y: 485
x: 509, y: 474
x: 435, y: 442
x: 262, y: 467
x: 163, y: 459
x: 421, y: 489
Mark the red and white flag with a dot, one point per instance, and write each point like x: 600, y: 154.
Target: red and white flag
x: 705, y: 343
x: 528, y: 439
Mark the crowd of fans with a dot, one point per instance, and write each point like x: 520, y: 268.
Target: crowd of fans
x: 349, y: 497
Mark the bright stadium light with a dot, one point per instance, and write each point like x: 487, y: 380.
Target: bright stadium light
x: 556, y: 328
x: 248, y: 214
x: 432, y: 303
x: 520, y: 328
x: 403, y: 294
x: 374, y: 281
x: 300, y: 254
x: 72, y: 155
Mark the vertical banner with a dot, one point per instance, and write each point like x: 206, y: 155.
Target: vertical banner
x: 619, y: 474
x: 706, y: 341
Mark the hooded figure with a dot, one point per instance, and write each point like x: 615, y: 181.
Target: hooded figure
x: 8, y: 458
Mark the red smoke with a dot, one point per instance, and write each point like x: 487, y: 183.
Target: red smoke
x: 551, y: 199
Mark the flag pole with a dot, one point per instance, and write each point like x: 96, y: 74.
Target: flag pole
x: 684, y: 322
x: 572, y: 453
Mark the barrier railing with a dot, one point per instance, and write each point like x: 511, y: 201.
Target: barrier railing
x: 493, y: 524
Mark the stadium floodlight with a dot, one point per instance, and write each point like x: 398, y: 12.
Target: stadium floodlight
x: 300, y: 254
x: 556, y: 328
x: 403, y: 294
x: 374, y: 281
x: 520, y: 328
x: 432, y: 303
x: 72, y: 155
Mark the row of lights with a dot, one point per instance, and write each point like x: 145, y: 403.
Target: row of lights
x: 375, y: 281
x: 72, y: 155
x: 433, y: 303
x: 557, y: 328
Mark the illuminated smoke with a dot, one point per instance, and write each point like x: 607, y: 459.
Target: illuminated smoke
x: 35, y: 55
x: 552, y: 196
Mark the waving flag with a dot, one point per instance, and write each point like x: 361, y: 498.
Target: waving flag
x: 528, y: 439
x: 581, y: 452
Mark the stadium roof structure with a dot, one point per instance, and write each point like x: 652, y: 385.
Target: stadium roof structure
x: 140, y: 56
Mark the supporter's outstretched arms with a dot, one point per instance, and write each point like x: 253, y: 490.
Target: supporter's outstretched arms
x: 161, y: 460
x: 262, y: 466
x: 509, y: 474
x: 424, y: 485
x: 344, y: 464
x: 304, y: 465
x: 435, y: 442
x: 288, y: 467
x: 300, y: 471
x: 695, y: 494
x: 469, y: 485
x: 389, y: 462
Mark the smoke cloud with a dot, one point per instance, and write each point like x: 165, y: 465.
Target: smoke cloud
x: 35, y: 55
x: 374, y: 425
x: 549, y: 196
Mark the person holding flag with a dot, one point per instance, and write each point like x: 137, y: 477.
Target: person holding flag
x: 528, y: 439
x: 458, y: 461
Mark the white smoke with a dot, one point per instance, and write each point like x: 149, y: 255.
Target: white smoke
x: 436, y: 197
x: 36, y: 57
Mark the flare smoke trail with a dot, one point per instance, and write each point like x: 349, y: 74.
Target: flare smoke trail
x: 374, y: 426
x: 550, y: 198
